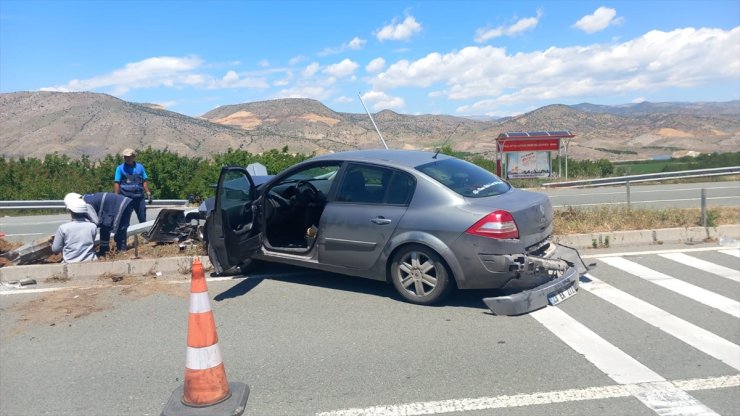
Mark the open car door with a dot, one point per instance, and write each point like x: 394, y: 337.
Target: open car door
x: 232, y: 228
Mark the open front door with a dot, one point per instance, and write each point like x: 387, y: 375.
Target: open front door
x: 232, y: 229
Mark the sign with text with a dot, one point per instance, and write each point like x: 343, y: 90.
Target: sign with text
x: 525, y: 145
x: 528, y: 165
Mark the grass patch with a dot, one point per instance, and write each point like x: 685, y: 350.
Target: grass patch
x: 573, y: 220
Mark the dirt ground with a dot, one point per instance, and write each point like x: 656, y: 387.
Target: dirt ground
x: 66, y: 305
x: 137, y: 249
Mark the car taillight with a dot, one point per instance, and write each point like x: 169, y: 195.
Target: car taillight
x: 498, y: 224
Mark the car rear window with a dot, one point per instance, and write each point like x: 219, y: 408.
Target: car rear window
x: 465, y: 178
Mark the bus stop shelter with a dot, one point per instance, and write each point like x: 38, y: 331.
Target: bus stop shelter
x: 529, y: 154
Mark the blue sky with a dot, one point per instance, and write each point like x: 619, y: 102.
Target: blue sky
x: 460, y: 58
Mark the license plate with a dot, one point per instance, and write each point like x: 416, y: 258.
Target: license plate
x: 562, y: 295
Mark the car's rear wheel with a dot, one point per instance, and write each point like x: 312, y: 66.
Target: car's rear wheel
x: 420, y: 275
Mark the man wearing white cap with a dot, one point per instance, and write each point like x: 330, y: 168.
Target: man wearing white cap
x: 76, y: 239
x: 131, y: 181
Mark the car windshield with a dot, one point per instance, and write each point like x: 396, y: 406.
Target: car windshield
x: 465, y: 178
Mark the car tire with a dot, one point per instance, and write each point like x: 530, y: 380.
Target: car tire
x: 420, y: 275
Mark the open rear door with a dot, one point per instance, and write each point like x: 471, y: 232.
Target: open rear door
x: 233, y: 234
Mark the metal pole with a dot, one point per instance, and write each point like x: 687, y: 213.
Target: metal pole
x: 371, y: 119
x: 703, y: 207
x: 629, y: 199
x: 566, y: 160
x: 560, y: 160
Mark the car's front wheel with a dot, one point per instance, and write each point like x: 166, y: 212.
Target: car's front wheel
x: 420, y: 275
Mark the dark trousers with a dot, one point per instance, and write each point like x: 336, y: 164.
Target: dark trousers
x: 137, y: 205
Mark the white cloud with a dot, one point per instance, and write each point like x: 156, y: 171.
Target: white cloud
x: 382, y: 101
x: 375, y: 65
x: 343, y: 99
x: 602, y: 18
x: 264, y: 63
x: 307, y: 91
x: 638, y: 100
x: 285, y: 80
x: 297, y: 60
x: 520, y: 26
x: 148, y: 73
x: 401, y: 31
x: 341, y: 69
x: 680, y: 58
x: 310, y: 70
x: 355, y: 44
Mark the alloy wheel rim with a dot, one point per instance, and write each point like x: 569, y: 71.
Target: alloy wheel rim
x: 418, y: 274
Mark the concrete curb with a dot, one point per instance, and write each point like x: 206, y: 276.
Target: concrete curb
x: 101, y: 269
x: 182, y: 265
x: 647, y: 237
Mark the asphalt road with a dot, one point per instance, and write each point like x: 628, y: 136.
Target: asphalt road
x: 648, y: 333
x: 687, y: 195
x: 25, y: 229
x: 28, y: 228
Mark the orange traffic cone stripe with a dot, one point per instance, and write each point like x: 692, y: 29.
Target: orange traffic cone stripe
x: 205, y: 375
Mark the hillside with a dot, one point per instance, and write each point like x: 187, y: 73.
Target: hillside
x: 33, y: 124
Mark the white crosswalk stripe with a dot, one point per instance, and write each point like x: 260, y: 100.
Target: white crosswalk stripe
x: 694, y: 292
x: 704, y: 265
x: 735, y: 252
x: 699, y: 338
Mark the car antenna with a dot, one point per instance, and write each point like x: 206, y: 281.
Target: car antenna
x: 371, y: 119
x: 439, y: 149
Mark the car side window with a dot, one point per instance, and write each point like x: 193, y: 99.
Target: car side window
x: 236, y: 190
x: 375, y: 185
x: 401, y: 189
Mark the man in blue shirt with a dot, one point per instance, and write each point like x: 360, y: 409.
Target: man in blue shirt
x: 131, y: 181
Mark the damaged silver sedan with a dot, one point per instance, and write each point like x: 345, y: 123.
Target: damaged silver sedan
x: 425, y: 222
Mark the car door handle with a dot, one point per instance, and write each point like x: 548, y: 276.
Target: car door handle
x: 381, y: 221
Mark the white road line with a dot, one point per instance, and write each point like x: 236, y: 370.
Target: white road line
x: 704, y: 265
x: 26, y: 234
x: 646, y: 202
x: 735, y: 252
x: 633, y: 191
x: 619, y: 366
x: 696, y: 293
x: 521, y: 400
x: 649, y: 252
x: 701, y: 339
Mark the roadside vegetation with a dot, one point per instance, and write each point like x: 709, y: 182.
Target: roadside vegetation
x: 573, y: 220
x: 178, y: 177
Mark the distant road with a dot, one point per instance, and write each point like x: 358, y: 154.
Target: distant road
x: 28, y: 228
x: 726, y: 194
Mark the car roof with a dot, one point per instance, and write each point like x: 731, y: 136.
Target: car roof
x: 393, y: 157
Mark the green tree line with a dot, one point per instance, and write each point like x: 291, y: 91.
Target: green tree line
x: 172, y: 176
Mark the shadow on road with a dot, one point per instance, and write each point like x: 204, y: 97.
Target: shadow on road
x: 310, y: 277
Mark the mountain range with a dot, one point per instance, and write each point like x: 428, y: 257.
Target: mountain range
x: 34, y: 124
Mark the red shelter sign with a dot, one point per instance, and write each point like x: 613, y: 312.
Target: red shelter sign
x: 531, y: 151
x: 523, y: 145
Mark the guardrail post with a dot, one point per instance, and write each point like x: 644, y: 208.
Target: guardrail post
x: 629, y: 199
x: 703, y: 207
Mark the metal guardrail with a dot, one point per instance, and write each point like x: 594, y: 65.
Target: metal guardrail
x: 618, y: 180
x: 157, y: 203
